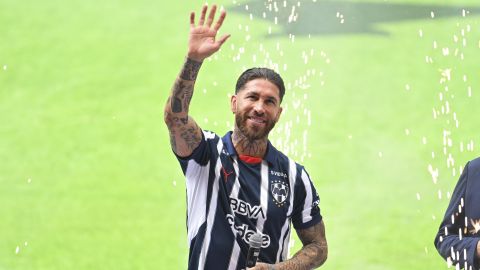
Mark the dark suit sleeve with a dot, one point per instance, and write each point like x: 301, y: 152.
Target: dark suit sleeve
x: 450, y: 241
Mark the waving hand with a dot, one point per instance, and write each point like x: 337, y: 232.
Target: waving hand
x: 203, y: 40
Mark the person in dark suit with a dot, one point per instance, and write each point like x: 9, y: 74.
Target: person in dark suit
x: 458, y: 236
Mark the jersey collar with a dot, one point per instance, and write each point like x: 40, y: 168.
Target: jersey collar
x: 270, y: 156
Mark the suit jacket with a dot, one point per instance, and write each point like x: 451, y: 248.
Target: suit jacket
x: 459, y: 231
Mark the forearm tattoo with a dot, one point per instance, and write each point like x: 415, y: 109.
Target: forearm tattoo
x: 185, y: 135
x: 190, y: 70
x: 182, y: 93
x: 314, y: 252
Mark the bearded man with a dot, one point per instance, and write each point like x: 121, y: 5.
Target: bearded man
x: 240, y: 185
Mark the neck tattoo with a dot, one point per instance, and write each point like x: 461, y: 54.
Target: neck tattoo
x: 246, y: 146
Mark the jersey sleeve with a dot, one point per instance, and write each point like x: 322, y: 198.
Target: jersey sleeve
x: 203, y: 153
x: 449, y: 243
x: 306, y: 211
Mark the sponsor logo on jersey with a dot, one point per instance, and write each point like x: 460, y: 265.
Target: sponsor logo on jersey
x: 279, y: 192
x: 245, y: 209
x: 280, y: 174
x: 245, y: 233
x: 226, y: 174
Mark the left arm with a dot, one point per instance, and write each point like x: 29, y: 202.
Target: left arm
x: 453, y: 232
x: 312, y: 255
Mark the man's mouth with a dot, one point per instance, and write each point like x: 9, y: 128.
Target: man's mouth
x: 257, y: 120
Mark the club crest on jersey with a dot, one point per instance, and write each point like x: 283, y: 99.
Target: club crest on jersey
x: 279, y: 192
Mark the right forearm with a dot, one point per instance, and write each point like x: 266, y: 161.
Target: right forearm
x: 182, y: 91
x: 185, y: 135
x: 465, y: 249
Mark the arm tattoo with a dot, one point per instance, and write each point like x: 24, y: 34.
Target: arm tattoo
x: 182, y: 91
x: 314, y: 251
x: 190, y: 137
x: 185, y: 134
x: 176, y: 105
x: 190, y: 70
x: 173, y: 143
x: 181, y: 95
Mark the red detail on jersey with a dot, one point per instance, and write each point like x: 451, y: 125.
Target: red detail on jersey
x: 226, y: 174
x: 250, y: 159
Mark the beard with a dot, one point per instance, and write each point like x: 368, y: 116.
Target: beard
x: 253, y: 132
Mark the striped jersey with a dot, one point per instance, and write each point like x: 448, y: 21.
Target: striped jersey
x: 229, y: 199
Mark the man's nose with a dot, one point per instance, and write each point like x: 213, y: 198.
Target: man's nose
x: 258, y: 108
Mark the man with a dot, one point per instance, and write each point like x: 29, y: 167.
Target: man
x: 240, y: 184
x: 458, y: 237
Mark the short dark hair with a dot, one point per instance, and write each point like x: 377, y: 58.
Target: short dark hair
x: 261, y: 73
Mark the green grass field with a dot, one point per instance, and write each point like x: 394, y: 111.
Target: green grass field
x: 87, y: 178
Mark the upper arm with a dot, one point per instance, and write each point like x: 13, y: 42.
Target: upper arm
x: 454, y: 215
x: 313, y: 234
x: 450, y: 236
x: 185, y: 134
x: 306, y: 202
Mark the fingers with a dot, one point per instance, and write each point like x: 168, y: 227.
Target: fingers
x: 192, y: 20
x: 222, y: 40
x: 211, y: 16
x: 219, y: 23
x: 202, y: 17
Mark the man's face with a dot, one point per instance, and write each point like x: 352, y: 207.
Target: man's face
x: 256, y: 108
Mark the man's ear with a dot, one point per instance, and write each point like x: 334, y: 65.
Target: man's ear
x: 278, y: 114
x: 233, y: 103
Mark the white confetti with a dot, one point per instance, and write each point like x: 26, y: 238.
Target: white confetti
x: 433, y: 173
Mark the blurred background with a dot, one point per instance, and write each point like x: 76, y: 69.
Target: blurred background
x: 381, y: 103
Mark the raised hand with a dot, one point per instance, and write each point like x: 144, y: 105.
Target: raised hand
x: 202, y: 42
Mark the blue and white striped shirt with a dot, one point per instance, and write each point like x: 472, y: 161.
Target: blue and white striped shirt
x: 228, y: 200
